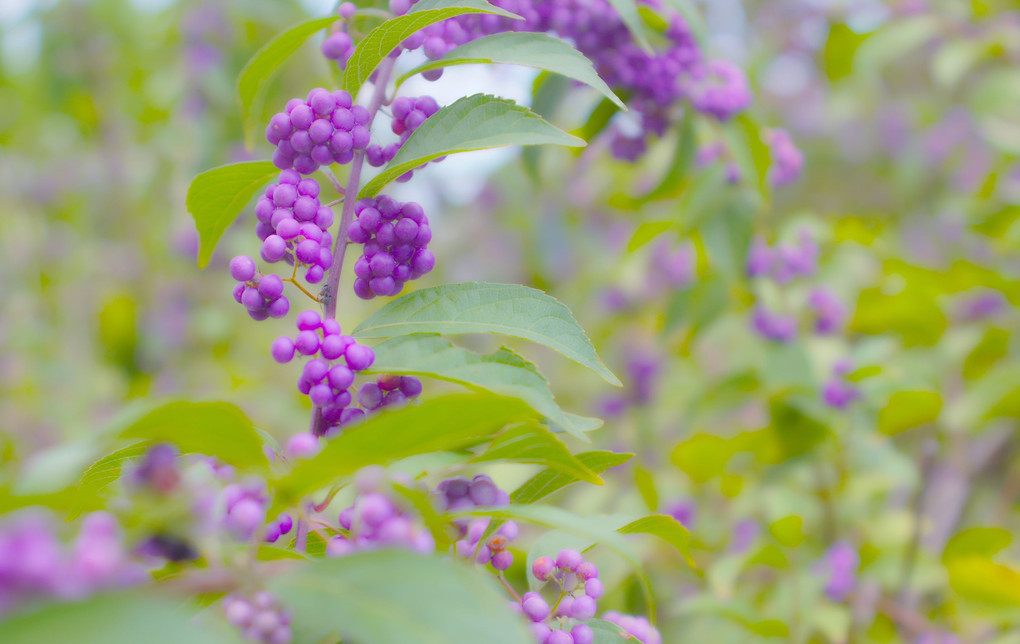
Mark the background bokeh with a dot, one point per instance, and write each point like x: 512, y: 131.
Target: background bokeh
x: 908, y: 115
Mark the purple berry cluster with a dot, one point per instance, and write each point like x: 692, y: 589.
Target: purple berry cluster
x: 839, y: 567
x: 775, y: 326
x: 260, y: 618
x: 395, y: 237
x: 388, y: 391
x: 579, y: 588
x: 34, y: 564
x: 326, y: 379
x: 719, y: 88
x: 838, y: 392
x: 338, y: 45
x: 459, y: 493
x: 158, y: 470
x: 829, y: 310
x: 261, y: 295
x: 325, y: 128
x: 637, y: 627
x: 245, y: 507
x: 294, y: 226
x: 408, y: 115
x: 787, y: 160
x: 375, y: 521
x: 785, y: 261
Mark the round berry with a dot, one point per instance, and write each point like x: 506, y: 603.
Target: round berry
x: 242, y: 268
x: 568, y: 559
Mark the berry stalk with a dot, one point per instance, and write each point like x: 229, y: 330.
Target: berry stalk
x: 332, y: 287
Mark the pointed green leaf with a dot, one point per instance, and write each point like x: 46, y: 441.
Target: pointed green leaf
x: 216, y: 196
x: 254, y: 78
x: 475, y: 122
x: 666, y: 528
x: 397, y: 596
x: 548, y: 481
x: 213, y: 428
x: 503, y: 372
x: 477, y: 307
x: 528, y: 49
x: 446, y: 423
x: 535, y: 444
x: 379, y: 42
x: 101, y: 475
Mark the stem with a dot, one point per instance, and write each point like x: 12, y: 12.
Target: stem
x: 332, y: 286
x: 508, y: 587
x: 351, y: 191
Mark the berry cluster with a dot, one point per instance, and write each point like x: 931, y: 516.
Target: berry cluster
x: 459, y: 493
x: 787, y: 160
x: 774, y: 326
x: 719, y: 88
x: 579, y: 588
x: 326, y: 380
x: 324, y: 129
x: 829, y: 310
x: 245, y: 507
x: 395, y: 237
x: 261, y: 295
x: 158, y: 470
x: 785, y: 261
x: 838, y: 392
x: 388, y: 391
x: 294, y: 226
x: 839, y: 567
x: 408, y: 115
x: 638, y: 627
x: 260, y: 618
x: 375, y: 521
x: 35, y: 564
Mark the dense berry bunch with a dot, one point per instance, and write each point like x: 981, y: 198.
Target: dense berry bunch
x: 408, y: 115
x: 388, y: 391
x: 376, y: 521
x: 720, y: 89
x: 261, y: 295
x: 838, y: 392
x: 829, y: 310
x: 35, y: 564
x: 839, y: 567
x: 395, y: 237
x: 260, y: 618
x: 772, y: 325
x: 787, y: 160
x: 245, y: 506
x: 459, y: 493
x: 326, y: 379
x: 785, y: 261
x: 579, y: 587
x: 324, y: 129
x: 638, y: 627
x: 294, y: 226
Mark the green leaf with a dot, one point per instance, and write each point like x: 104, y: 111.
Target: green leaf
x: 598, y: 120
x: 703, y: 456
x: 397, y: 596
x: 894, y: 41
x: 646, y: 232
x: 788, y: 531
x: 548, y: 481
x: 101, y: 475
x: 212, y: 428
x: 840, y: 47
x: 477, y: 307
x: 727, y: 236
x: 977, y: 542
x: 537, y: 50
x: 908, y: 409
x: 644, y: 481
x: 672, y: 183
x: 502, y: 372
x: 476, y: 122
x: 109, y: 619
x: 666, y: 528
x: 981, y: 580
x: 535, y: 444
x: 216, y: 196
x: 254, y: 78
x: 379, y: 42
x: 446, y: 423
